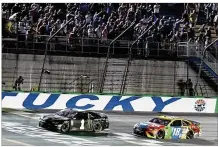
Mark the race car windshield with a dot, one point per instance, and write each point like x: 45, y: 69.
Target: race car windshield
x: 64, y: 113
x: 160, y: 121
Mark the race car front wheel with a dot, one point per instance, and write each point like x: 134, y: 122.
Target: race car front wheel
x: 65, y: 127
x: 190, y: 135
x: 97, y: 127
x: 160, y: 134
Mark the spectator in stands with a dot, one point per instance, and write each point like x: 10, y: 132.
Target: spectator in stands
x: 211, y: 18
x: 208, y: 33
x: 207, y: 41
x: 175, y: 38
x: 199, y: 41
x: 52, y: 31
x: 91, y: 33
x: 207, y: 10
x: 189, y: 87
x: 58, y: 24
x: 17, y: 83
x: 64, y: 31
x: 48, y: 28
x: 33, y: 13
x: 156, y: 10
x: 197, y: 7
x: 190, y: 7
x: 51, y: 16
x: 193, y: 18
x: 14, y: 17
x: 104, y: 35
x: 191, y: 34
x: 42, y: 29
x: 185, y: 17
x: 15, y: 8
x: 215, y: 20
x: 176, y: 26
x: 98, y: 31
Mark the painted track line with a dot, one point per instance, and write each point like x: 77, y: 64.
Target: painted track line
x: 23, y: 115
x: 17, y: 142
x: 130, y: 139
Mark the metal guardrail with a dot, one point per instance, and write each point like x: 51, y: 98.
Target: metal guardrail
x: 196, y: 50
x: 211, y: 62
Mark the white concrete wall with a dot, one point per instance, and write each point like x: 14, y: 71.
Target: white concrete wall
x: 145, y: 76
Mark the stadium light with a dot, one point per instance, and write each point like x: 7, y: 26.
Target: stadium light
x: 46, y: 50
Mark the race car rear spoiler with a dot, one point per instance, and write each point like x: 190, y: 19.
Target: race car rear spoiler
x: 194, y: 122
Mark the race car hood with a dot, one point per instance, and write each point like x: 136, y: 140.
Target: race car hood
x: 149, y: 125
x: 54, y: 117
x: 103, y: 115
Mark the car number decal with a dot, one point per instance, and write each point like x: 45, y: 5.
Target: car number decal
x: 82, y: 124
x: 176, y: 132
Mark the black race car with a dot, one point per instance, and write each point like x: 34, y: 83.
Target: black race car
x: 71, y: 120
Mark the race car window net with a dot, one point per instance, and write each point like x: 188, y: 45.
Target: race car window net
x: 176, y: 123
x: 185, y: 123
x: 81, y: 115
x: 94, y: 115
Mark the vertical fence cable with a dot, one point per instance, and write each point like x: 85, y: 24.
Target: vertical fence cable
x: 108, y: 55
x: 129, y: 60
x: 46, y: 51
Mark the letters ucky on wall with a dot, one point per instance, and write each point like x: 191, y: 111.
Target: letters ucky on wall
x: 72, y: 102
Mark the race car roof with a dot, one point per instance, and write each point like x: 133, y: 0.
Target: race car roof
x: 169, y: 117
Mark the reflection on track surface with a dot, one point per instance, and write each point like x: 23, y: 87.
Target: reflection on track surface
x: 22, y: 128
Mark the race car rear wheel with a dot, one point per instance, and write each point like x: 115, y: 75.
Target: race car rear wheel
x: 40, y: 124
x: 97, y: 127
x: 65, y: 127
x: 160, y: 134
x: 190, y: 135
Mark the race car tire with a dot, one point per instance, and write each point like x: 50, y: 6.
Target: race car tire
x: 190, y: 135
x: 41, y: 125
x: 65, y: 127
x: 160, y: 134
x: 97, y: 127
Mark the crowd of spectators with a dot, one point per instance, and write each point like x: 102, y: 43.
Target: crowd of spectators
x: 106, y: 21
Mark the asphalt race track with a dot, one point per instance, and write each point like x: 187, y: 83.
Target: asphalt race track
x: 21, y: 129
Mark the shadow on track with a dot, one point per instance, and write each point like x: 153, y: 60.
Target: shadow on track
x: 83, y: 133
x: 195, y: 141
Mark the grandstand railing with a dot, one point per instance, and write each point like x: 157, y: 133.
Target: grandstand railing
x: 62, y: 44
x: 211, y: 61
x: 196, y: 50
